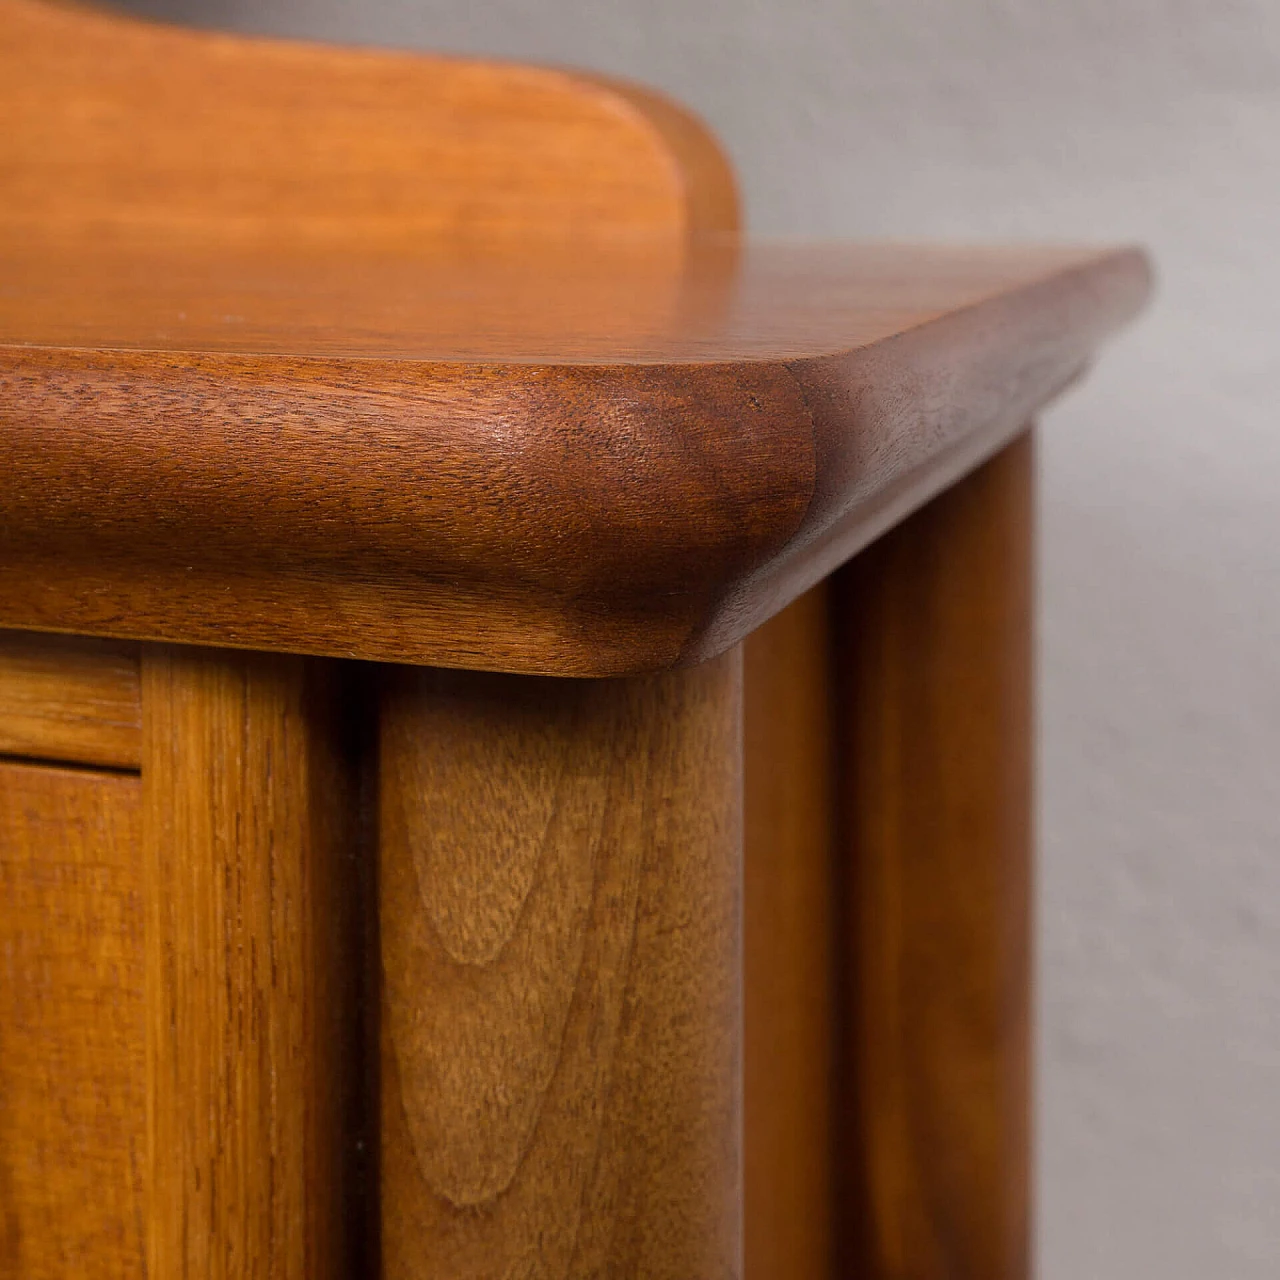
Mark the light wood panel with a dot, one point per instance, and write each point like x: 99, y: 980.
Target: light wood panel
x: 560, y: 886
x: 113, y: 122
x: 252, y: 924
x: 69, y: 699
x: 72, y: 1057
x: 934, y: 647
x: 790, y: 989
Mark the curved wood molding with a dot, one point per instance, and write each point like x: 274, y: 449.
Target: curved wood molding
x: 417, y: 359
x: 607, y: 498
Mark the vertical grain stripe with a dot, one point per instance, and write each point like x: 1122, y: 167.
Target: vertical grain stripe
x: 251, y: 960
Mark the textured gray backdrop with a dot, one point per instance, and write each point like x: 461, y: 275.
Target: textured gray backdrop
x: 1159, y: 890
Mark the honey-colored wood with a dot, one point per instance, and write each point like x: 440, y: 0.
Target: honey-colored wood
x: 560, y: 886
x: 439, y: 361
x: 788, y: 965
x: 445, y: 461
x: 72, y: 1073
x: 625, y: 301
x: 112, y: 122
x: 70, y: 699
x: 253, y: 1044
x: 934, y: 646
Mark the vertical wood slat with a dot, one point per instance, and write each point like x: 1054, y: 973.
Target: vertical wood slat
x: 933, y: 626
x: 251, y: 941
x: 789, y: 856
x: 560, y: 867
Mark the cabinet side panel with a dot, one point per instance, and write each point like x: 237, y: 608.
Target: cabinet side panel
x: 934, y: 649
x: 72, y: 1064
x: 789, y: 809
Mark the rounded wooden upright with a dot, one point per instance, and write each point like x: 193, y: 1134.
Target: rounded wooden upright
x: 560, y: 898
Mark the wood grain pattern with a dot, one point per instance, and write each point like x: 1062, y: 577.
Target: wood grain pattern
x: 934, y: 645
x: 560, y: 886
x: 113, y: 122
x: 70, y: 699
x: 253, y: 1046
x: 789, y: 956
x: 630, y: 300
x: 438, y: 361
x: 72, y: 1073
x: 550, y: 505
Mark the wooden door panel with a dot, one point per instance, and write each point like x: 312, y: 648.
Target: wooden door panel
x: 72, y: 1061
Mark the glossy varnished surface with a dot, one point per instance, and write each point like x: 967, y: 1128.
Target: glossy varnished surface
x: 444, y: 362
x: 542, y: 299
x: 597, y: 462
x: 440, y: 361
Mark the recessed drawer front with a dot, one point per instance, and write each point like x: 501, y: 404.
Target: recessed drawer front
x: 66, y: 698
x: 72, y: 1032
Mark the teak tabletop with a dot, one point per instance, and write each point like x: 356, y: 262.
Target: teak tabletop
x: 515, y: 698
x: 528, y: 456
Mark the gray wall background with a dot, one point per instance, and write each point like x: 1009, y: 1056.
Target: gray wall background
x: 1159, y: 888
